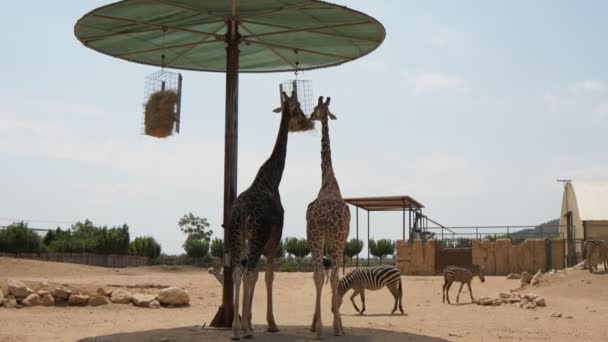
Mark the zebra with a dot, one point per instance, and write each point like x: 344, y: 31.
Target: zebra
x: 462, y: 275
x: 371, y: 278
x: 599, y: 250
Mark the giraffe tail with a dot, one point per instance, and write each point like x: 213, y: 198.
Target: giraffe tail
x: 327, y: 266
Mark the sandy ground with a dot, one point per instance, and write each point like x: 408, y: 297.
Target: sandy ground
x: 578, y: 294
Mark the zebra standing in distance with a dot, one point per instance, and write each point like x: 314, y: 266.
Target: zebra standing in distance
x: 462, y: 275
x: 597, y: 253
x: 371, y: 278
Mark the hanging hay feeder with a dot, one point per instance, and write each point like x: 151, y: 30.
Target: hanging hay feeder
x: 163, y: 104
x: 304, y: 94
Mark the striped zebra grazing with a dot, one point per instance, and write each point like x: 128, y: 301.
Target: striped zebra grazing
x: 371, y: 278
x: 462, y: 275
x: 597, y: 253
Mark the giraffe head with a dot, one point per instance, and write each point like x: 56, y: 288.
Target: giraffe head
x: 322, y: 111
x: 297, y: 119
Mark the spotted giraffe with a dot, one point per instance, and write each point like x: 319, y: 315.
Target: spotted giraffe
x: 256, y: 222
x: 328, y: 221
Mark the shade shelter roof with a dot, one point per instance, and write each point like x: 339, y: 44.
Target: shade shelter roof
x: 275, y: 35
x: 385, y: 203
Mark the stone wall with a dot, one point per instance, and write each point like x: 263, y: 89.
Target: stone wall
x: 501, y: 257
x: 416, y: 258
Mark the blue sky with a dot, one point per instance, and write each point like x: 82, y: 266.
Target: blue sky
x: 473, y: 108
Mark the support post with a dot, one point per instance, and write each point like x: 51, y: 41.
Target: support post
x: 403, y: 220
x: 225, y: 313
x: 368, y: 238
x: 357, y: 220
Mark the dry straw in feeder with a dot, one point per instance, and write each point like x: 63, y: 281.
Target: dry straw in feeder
x: 301, y: 123
x: 160, y: 112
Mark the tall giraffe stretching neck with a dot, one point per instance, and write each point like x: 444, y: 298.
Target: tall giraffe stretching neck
x: 329, y: 183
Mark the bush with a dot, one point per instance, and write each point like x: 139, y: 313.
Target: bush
x: 196, y: 248
x: 297, y: 247
x: 85, y: 237
x: 145, y: 246
x: 217, y: 248
x: 18, y: 238
x: 353, y: 248
x: 381, y: 248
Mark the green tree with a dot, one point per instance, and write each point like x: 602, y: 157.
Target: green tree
x: 196, y: 227
x: 196, y: 248
x: 353, y: 248
x: 145, y: 246
x: 381, y: 248
x: 19, y: 238
x: 217, y: 248
x: 297, y: 247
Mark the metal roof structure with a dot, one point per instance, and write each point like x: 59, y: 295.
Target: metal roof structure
x: 385, y: 203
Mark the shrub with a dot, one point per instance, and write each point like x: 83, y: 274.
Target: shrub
x: 297, y: 247
x: 196, y: 248
x: 145, y: 246
x: 381, y: 248
x: 18, y: 238
x: 217, y: 248
x: 353, y: 248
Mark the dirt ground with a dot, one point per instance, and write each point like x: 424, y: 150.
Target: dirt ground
x: 578, y: 294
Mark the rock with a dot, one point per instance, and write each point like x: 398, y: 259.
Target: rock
x: 514, y: 299
x: 44, y: 284
x: 173, y: 296
x: 155, y: 304
x: 536, y: 279
x: 32, y: 300
x: 540, y: 302
x: 143, y: 300
x: 504, y: 295
x: 530, y: 305
x: 42, y: 293
x: 514, y: 276
x: 104, y: 292
x: 18, y: 289
x: 99, y: 300
x: 48, y: 300
x: 526, y: 278
x: 569, y: 317
x: 486, y: 301
x: 556, y: 315
x: 61, y: 294
x: 78, y: 299
x: 496, y: 302
x: 530, y: 297
x: 121, y: 297
x: 10, y: 302
x: 1, y: 297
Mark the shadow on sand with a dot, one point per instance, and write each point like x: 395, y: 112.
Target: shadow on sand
x: 287, y: 334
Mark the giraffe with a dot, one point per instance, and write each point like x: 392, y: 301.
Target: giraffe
x: 328, y: 221
x: 256, y: 222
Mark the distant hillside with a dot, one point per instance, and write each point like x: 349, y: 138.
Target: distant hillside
x: 543, y: 230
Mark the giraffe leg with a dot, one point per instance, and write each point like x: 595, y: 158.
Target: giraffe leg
x: 336, y: 261
x: 247, y: 283
x: 317, y: 325
x: 471, y: 292
x: 237, y: 276
x: 352, y: 299
x: 459, y: 290
x: 272, y: 325
x: 254, y: 279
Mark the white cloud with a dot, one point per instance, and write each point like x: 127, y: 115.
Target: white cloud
x: 591, y: 86
x: 554, y: 103
x: 438, y: 40
x: 425, y: 83
x: 601, y: 111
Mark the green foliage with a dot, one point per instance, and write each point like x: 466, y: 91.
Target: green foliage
x: 85, y: 237
x: 196, y: 227
x: 196, y: 248
x: 297, y: 247
x: 18, y: 238
x: 217, y: 248
x: 381, y: 248
x: 353, y: 247
x: 145, y: 246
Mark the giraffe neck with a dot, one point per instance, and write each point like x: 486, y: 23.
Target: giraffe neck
x: 271, y: 172
x: 329, y: 184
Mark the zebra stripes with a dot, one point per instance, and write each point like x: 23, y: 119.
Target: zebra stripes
x: 372, y: 278
x: 462, y: 275
x: 597, y: 253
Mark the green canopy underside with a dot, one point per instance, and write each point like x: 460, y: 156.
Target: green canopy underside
x: 276, y: 35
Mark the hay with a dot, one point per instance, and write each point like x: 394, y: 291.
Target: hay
x: 301, y: 124
x: 160, y: 113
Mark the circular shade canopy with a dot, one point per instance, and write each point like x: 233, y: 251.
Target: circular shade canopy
x: 276, y: 35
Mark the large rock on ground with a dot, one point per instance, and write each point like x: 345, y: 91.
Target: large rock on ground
x: 540, y: 302
x: 174, y: 296
x: 103, y: 292
x: 48, y: 300
x: 61, y: 294
x: 99, y: 300
x: 143, y: 300
x: 32, y: 300
x: 514, y: 276
x: 526, y: 278
x: 10, y: 302
x: 78, y: 299
x: 121, y: 297
x: 155, y: 304
x: 1, y: 297
x: 18, y: 289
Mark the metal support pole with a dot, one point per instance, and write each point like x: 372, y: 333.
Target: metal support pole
x: 368, y: 238
x: 357, y: 220
x: 403, y: 220
x: 409, y: 225
x: 224, y: 316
